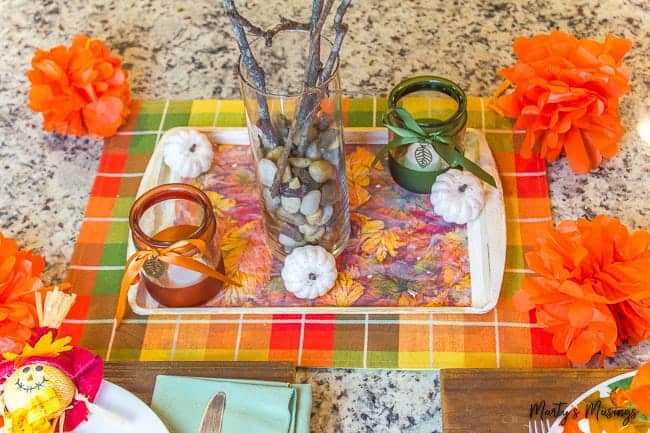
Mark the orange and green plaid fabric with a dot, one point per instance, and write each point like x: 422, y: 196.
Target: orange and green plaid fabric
x: 500, y: 338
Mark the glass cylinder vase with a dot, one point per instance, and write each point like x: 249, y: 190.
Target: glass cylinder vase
x: 296, y: 136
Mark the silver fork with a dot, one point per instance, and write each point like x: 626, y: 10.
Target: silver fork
x: 539, y: 426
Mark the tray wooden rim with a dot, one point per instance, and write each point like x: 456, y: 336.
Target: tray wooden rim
x: 488, y: 231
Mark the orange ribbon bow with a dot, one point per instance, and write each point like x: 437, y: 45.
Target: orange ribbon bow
x: 173, y: 255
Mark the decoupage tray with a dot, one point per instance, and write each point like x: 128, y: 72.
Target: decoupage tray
x: 401, y: 257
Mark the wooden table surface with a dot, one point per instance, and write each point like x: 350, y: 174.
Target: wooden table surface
x: 499, y: 400
x: 140, y: 377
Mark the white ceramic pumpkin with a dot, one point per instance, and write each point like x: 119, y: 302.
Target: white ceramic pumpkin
x: 187, y: 151
x: 457, y: 196
x: 309, y: 271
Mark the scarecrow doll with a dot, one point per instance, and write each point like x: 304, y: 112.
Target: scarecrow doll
x: 50, y: 385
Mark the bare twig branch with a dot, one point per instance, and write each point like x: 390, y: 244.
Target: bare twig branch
x: 309, y: 103
x: 282, y: 163
x: 285, y: 24
x: 256, y: 72
x: 268, y: 35
x: 316, y: 8
x: 326, y: 9
x: 299, y: 128
x: 314, y: 66
x: 284, y: 157
x: 238, y: 25
x: 298, y: 25
x: 314, y: 43
x: 341, y: 30
x: 249, y: 27
x: 312, y: 74
x: 326, y: 72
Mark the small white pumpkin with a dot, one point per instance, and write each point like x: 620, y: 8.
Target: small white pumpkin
x: 309, y: 271
x: 457, y: 196
x: 187, y: 151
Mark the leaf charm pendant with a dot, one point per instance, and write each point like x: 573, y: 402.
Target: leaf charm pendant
x: 423, y: 155
x: 154, y: 267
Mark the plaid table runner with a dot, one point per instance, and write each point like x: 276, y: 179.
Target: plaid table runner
x: 500, y: 338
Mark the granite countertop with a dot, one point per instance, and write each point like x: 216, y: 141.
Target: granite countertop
x: 183, y: 49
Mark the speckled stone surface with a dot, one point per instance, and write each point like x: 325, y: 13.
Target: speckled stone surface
x: 183, y: 49
x: 386, y: 401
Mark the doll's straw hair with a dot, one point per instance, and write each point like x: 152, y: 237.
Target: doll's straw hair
x: 52, y: 312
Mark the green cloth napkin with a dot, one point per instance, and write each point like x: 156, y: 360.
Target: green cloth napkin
x: 255, y: 406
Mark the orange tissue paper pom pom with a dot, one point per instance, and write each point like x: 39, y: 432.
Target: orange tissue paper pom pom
x: 592, y: 288
x: 19, y: 271
x: 565, y: 95
x: 81, y: 89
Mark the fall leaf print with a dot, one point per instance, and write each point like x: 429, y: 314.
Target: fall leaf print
x: 246, y: 259
x: 220, y: 204
x: 385, y: 291
x: 452, y: 247
x: 357, y: 167
x: 346, y: 290
x: 376, y: 240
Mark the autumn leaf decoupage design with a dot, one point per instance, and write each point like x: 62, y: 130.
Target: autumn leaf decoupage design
x: 399, y: 254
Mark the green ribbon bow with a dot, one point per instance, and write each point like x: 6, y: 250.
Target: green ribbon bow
x: 407, y: 131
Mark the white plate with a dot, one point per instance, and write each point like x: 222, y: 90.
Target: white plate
x: 602, y: 387
x: 136, y: 416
